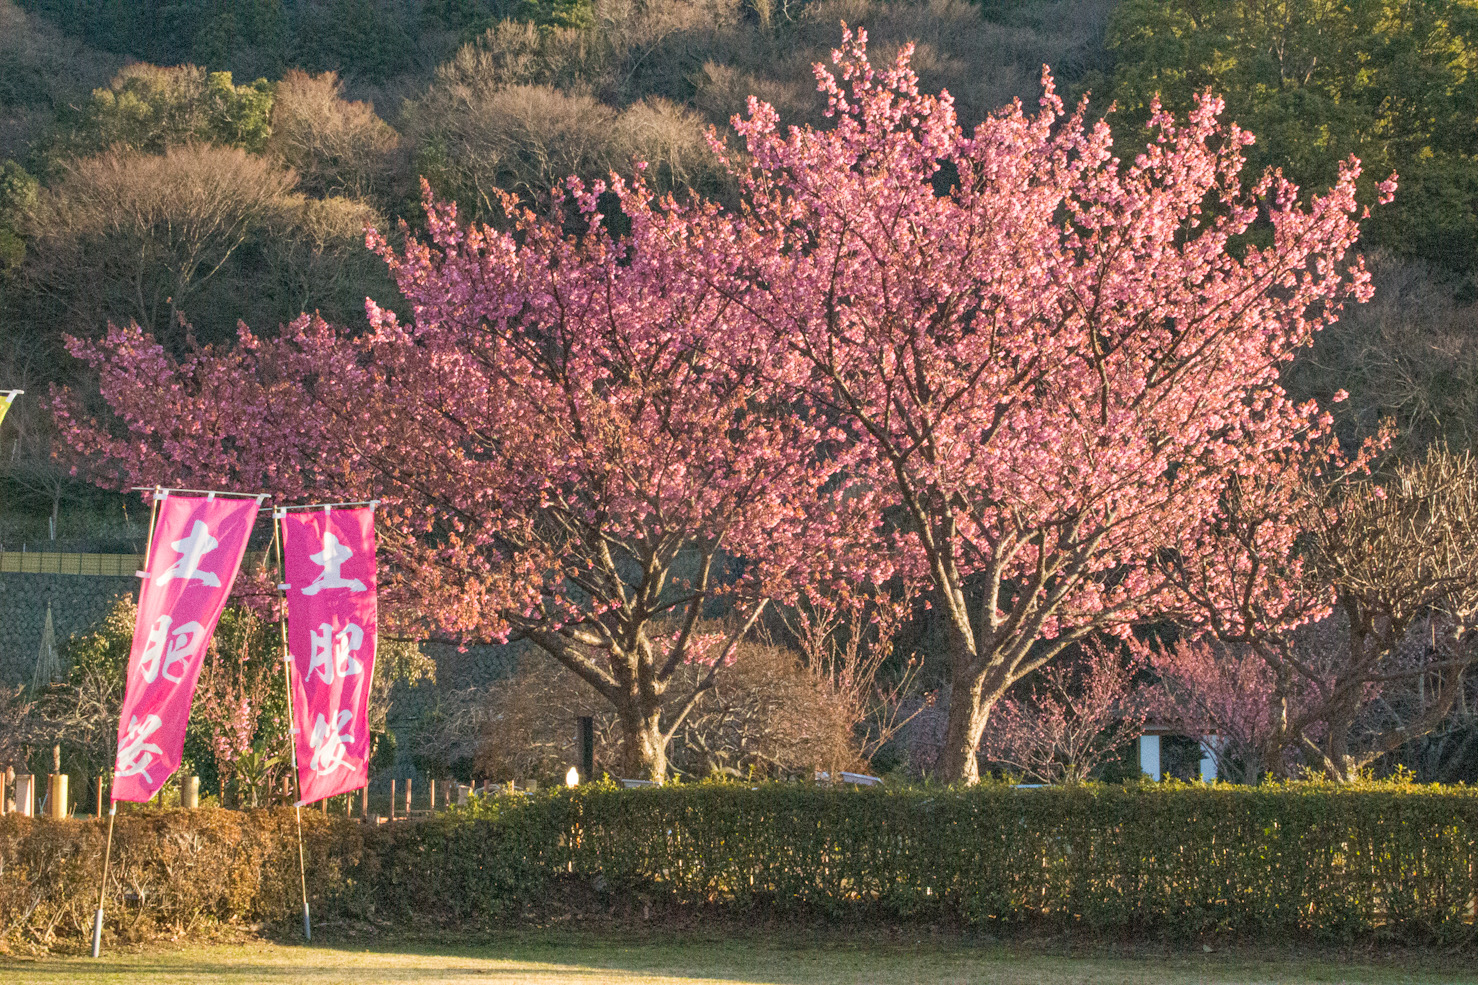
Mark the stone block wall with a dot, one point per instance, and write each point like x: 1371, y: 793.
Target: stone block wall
x: 77, y: 603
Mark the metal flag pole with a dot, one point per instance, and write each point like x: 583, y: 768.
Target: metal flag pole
x: 277, y: 541
x: 97, y: 920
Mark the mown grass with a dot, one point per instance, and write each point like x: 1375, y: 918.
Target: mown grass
x: 545, y: 957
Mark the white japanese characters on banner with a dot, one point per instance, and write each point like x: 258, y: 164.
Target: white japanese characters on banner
x: 193, y: 560
x: 332, y: 628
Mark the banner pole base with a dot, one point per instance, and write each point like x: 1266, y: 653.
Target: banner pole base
x: 97, y: 920
x: 307, y: 925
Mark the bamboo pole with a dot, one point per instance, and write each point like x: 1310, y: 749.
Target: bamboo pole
x: 97, y: 920
x: 292, y: 741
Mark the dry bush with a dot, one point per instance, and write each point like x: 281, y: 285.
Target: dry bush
x: 765, y: 716
x: 1409, y: 354
x: 524, y: 139
x: 154, y: 238
x: 317, y: 260
x: 521, y: 107
x: 336, y: 146
x: 768, y: 715
x: 671, y: 140
x: 528, y: 138
x: 513, y: 53
x: 127, y: 235
x: 172, y: 872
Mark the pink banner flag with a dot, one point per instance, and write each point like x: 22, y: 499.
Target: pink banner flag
x: 193, y: 559
x: 332, y: 623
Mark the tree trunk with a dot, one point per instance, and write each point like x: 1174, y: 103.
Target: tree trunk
x: 959, y: 761
x: 643, y: 748
x: 968, y: 712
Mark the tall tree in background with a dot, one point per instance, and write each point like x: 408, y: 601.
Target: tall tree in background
x: 1389, y: 81
x: 1053, y: 364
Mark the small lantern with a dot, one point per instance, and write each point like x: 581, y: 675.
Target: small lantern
x: 572, y: 778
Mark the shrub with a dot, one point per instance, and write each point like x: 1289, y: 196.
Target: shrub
x: 336, y: 145
x: 1391, y: 861
x: 151, y: 109
x: 764, y: 716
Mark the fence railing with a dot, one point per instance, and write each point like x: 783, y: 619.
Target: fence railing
x: 91, y: 565
x: 56, y: 563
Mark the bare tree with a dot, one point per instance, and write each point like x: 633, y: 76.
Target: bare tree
x: 846, y: 645
x: 1400, y: 556
x: 766, y: 715
x: 337, y: 146
x: 127, y: 235
x: 21, y: 727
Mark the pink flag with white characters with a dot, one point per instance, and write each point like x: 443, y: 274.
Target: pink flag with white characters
x: 197, y: 549
x: 329, y: 559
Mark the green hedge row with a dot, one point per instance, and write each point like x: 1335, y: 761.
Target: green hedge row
x: 1185, y: 859
x: 1390, y: 862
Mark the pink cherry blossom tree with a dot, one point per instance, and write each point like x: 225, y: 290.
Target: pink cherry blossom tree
x: 570, y: 440
x: 1231, y: 693
x: 1074, y: 718
x: 1037, y: 369
x: 1052, y: 362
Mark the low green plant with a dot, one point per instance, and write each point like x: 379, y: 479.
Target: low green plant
x: 1372, y: 861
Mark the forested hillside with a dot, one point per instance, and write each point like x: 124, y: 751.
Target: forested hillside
x: 186, y: 166
x: 189, y: 166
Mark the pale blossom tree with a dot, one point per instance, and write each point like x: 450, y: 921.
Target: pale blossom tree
x: 1229, y: 694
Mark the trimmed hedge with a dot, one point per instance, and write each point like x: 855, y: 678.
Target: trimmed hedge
x: 1397, y: 862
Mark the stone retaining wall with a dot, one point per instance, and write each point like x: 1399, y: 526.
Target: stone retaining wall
x: 77, y: 602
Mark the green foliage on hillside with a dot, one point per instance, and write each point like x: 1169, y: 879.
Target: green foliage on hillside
x: 150, y: 109
x: 1392, y: 82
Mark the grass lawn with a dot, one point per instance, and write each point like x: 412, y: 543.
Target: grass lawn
x: 547, y: 958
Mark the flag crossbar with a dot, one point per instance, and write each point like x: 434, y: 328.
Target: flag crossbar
x: 161, y: 492
x: 280, y: 510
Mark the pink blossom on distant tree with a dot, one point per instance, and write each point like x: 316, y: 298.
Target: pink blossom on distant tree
x: 1229, y: 692
x: 1076, y: 716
